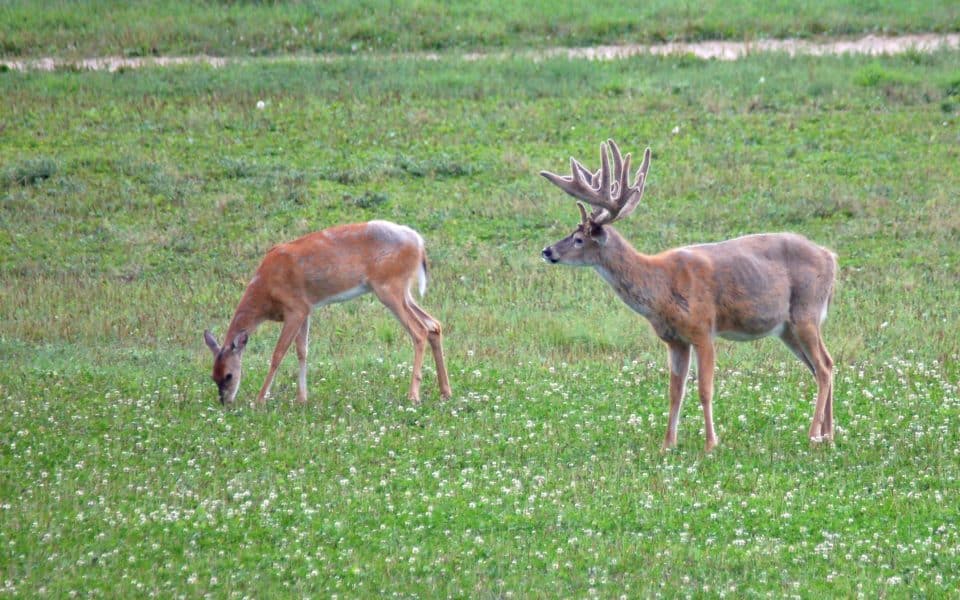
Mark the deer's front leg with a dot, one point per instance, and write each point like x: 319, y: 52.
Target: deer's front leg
x: 679, y: 359
x: 705, y: 366
x: 291, y: 326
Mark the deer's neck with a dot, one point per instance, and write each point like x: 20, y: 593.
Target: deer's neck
x: 249, y: 313
x: 634, y: 276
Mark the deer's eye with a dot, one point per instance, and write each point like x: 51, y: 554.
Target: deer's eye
x: 578, y: 241
x: 227, y: 377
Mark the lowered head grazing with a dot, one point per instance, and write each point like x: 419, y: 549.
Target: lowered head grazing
x: 226, y: 365
x: 326, y: 267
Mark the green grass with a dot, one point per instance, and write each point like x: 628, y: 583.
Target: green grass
x: 171, y: 27
x: 135, y: 205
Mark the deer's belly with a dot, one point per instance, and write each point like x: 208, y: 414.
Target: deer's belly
x: 747, y: 335
x: 343, y: 296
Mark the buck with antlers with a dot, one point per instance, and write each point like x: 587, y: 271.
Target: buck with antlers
x: 333, y: 265
x: 741, y: 289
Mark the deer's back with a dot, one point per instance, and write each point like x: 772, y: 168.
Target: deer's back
x: 758, y: 261
x: 344, y: 260
x: 759, y: 281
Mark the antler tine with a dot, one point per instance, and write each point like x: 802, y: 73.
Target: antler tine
x: 636, y: 190
x: 562, y: 182
x: 623, y: 181
x: 581, y: 174
x: 583, y: 213
x: 617, y: 165
x: 579, y: 184
x: 605, y: 176
x: 642, y: 171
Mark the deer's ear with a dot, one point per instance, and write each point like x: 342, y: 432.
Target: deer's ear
x: 211, y: 342
x: 239, y: 342
x: 598, y: 234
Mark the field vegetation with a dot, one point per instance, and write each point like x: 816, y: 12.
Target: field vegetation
x: 135, y: 205
x: 255, y: 28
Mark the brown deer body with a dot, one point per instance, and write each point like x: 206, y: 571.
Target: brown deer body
x: 741, y: 289
x: 324, y: 267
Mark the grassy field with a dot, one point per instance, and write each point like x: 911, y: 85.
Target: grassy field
x: 135, y: 206
x: 141, y: 28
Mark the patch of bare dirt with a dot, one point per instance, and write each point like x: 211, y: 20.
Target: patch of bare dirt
x: 720, y: 50
x: 717, y: 50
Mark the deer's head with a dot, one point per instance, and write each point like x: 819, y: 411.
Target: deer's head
x: 226, y: 364
x: 611, y: 197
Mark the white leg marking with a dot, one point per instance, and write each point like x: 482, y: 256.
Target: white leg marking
x: 675, y: 419
x: 302, y: 381
x: 266, y: 393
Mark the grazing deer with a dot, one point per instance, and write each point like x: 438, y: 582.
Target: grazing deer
x: 333, y: 265
x: 741, y: 289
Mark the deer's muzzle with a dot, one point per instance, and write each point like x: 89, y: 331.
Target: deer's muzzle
x: 548, y: 255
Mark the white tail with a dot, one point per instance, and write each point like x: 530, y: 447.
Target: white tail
x: 742, y: 289
x: 333, y: 265
x: 422, y: 278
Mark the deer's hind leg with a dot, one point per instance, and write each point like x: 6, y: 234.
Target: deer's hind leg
x: 435, y: 338
x: 828, y: 408
x: 302, y: 343
x: 706, y: 362
x: 805, y: 341
x: 394, y: 298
